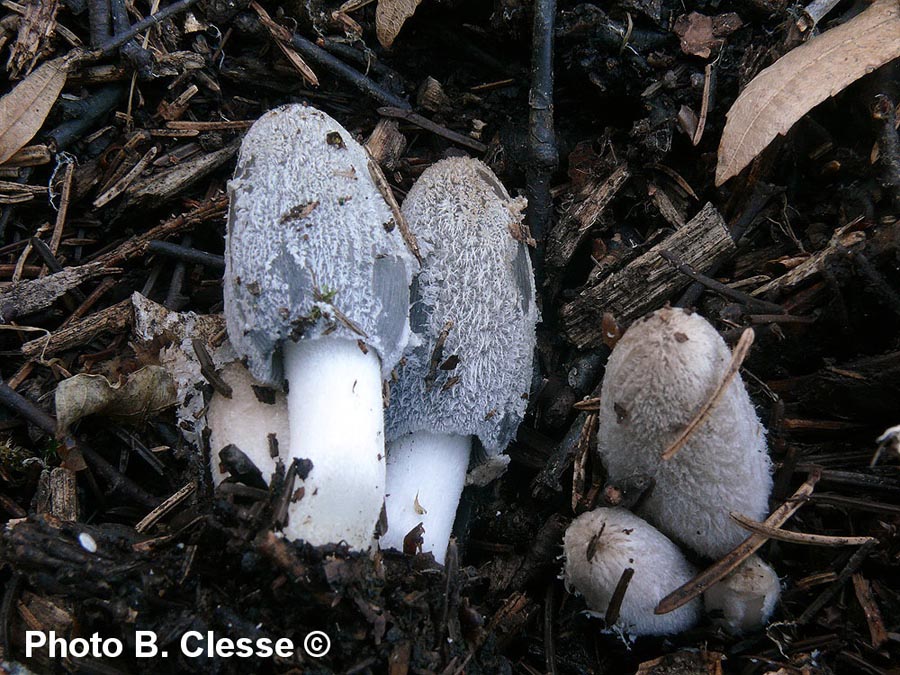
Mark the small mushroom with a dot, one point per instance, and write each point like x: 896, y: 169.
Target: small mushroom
x: 660, y: 374
x: 601, y: 544
x: 317, y: 293
x: 247, y: 420
x: 473, y: 313
x: 744, y: 600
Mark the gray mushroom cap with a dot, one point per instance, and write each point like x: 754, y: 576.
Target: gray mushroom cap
x: 473, y: 310
x: 312, y: 246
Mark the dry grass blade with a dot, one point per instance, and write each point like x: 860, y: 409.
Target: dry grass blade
x: 24, y: 109
x: 797, y: 537
x: 737, y: 358
x: 804, y: 77
x: 390, y: 15
x: 700, y: 583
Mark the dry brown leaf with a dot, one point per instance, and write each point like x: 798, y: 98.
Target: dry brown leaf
x: 804, y: 77
x: 390, y: 15
x: 24, y: 109
x: 145, y: 393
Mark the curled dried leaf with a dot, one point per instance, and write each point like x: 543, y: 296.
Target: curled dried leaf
x: 804, y: 77
x: 143, y: 394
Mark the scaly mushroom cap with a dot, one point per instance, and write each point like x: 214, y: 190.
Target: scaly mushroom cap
x: 744, y: 600
x: 473, y: 310
x: 659, y: 375
x: 600, y: 545
x: 312, y: 246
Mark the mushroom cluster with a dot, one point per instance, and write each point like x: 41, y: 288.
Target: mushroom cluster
x: 320, y: 290
x: 662, y: 374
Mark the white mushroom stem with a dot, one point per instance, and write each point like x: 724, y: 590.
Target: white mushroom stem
x: 336, y: 421
x: 425, y: 477
x: 246, y: 422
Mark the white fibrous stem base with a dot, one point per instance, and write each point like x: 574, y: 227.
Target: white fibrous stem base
x: 337, y: 422
x: 425, y: 477
x: 246, y: 422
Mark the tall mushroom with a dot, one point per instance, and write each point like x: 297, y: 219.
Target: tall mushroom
x: 473, y: 312
x: 317, y: 294
x: 662, y: 371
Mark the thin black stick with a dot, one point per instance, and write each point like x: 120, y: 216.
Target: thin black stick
x: 428, y: 125
x: 542, y: 151
x: 761, y: 195
x: 84, y: 115
x: 109, y: 46
x: 117, y: 482
x: 98, y: 14
x: 188, y: 254
x: 826, y: 596
x: 754, y: 304
x: 322, y: 59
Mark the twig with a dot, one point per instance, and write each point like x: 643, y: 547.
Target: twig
x: 117, y: 482
x: 137, y: 246
x: 549, y: 644
x: 815, y: 12
x: 884, y: 112
x: 737, y: 358
x: 760, y: 197
x: 866, y: 599
x: 542, y: 151
x: 700, y: 583
x: 708, y: 82
x: 710, y: 283
x: 114, y: 318
x: 13, y: 586
x: 107, y: 284
x: 65, y: 195
x: 109, y: 46
x: 797, y: 537
x: 98, y: 14
x: 85, y: 115
x: 174, y: 500
x: 428, y: 125
x: 208, y: 369
x: 341, y: 70
x: 826, y: 596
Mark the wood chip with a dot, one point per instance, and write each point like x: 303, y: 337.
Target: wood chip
x: 647, y: 281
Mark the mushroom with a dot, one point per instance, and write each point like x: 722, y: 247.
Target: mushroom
x: 317, y: 293
x: 661, y: 372
x: 601, y: 544
x: 744, y: 600
x: 247, y: 420
x: 473, y: 312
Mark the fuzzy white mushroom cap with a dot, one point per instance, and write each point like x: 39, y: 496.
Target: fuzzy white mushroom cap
x: 660, y: 373
x: 312, y: 245
x: 475, y: 294
x: 744, y: 600
x: 245, y: 420
x: 602, y: 544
